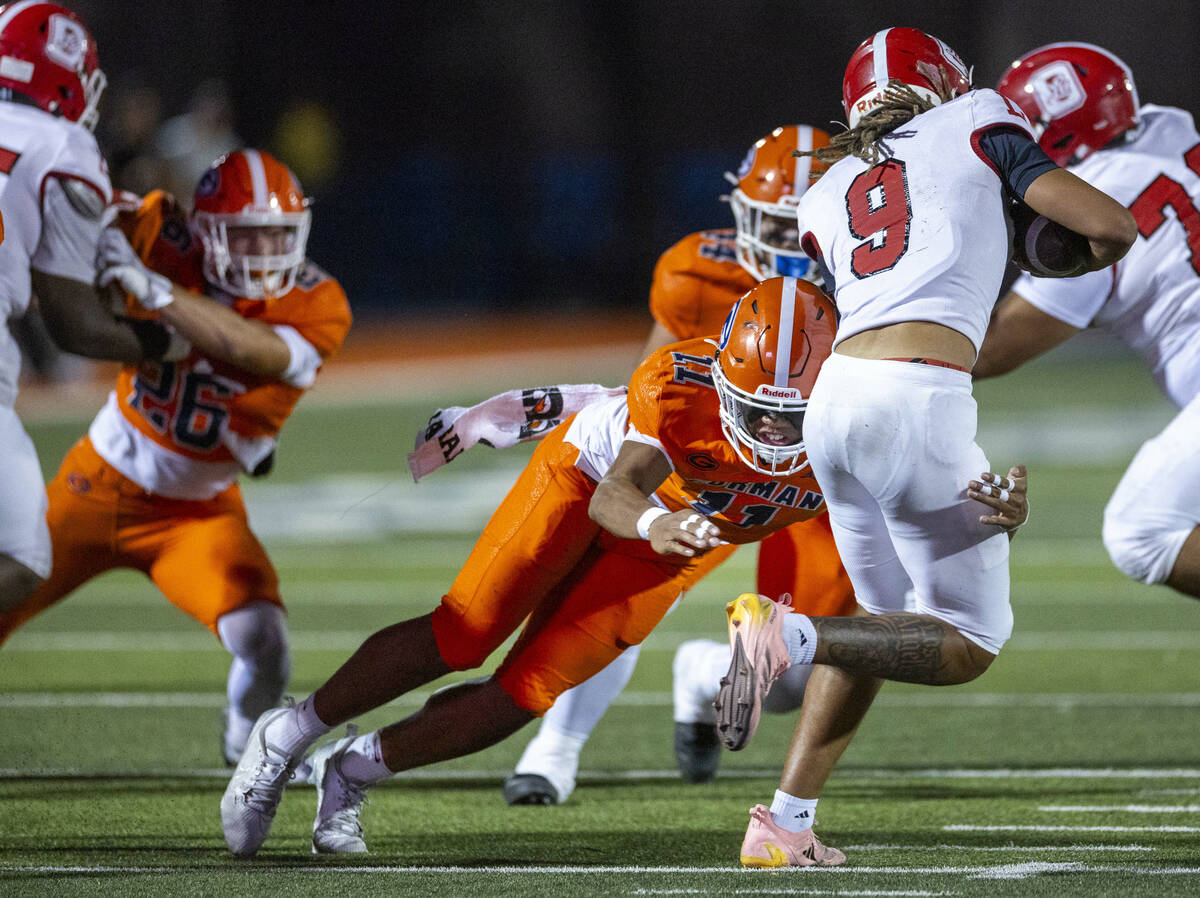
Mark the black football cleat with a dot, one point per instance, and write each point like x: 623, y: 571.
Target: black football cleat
x: 697, y: 751
x: 529, y: 788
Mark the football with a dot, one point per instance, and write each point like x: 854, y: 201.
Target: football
x: 1045, y: 248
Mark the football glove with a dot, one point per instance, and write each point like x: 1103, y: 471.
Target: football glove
x: 116, y: 261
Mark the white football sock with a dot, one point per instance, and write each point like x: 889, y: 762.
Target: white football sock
x: 296, y: 730
x: 792, y: 813
x: 256, y: 636
x: 800, y: 637
x: 362, y: 761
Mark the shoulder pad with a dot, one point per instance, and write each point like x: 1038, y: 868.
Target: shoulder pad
x: 83, y: 198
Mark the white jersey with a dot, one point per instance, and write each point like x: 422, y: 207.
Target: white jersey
x: 1150, y: 299
x: 41, y: 229
x: 924, y: 236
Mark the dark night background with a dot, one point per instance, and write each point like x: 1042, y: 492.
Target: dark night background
x: 497, y: 155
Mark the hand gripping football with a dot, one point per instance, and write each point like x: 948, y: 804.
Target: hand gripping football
x: 1045, y: 248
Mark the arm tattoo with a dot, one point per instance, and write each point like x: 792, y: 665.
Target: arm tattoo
x: 900, y: 646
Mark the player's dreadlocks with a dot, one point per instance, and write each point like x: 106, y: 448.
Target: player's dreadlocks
x: 899, y: 104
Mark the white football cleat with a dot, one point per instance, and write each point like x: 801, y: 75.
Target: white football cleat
x: 337, y: 829
x: 249, y: 803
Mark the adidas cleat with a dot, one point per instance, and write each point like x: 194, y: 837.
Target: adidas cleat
x: 769, y: 845
x: 760, y: 657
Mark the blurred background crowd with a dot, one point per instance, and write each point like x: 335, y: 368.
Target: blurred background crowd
x: 529, y: 155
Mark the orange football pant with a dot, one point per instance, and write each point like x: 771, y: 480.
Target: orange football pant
x: 587, y: 594
x: 201, y: 554
x: 803, y: 560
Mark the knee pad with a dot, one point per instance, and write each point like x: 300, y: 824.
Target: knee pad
x: 255, y: 632
x: 1141, y: 546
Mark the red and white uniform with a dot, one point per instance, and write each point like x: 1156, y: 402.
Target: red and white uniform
x: 1150, y: 300
x: 921, y: 237
x: 38, y: 152
x: 896, y: 237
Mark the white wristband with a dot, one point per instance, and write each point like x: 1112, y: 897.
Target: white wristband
x: 643, y: 523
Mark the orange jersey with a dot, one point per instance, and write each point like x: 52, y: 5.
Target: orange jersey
x: 672, y: 402
x: 200, y: 409
x: 696, y: 283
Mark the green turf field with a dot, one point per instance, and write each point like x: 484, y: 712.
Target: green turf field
x: 1071, y: 768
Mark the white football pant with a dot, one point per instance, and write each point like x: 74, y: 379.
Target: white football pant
x: 893, y: 445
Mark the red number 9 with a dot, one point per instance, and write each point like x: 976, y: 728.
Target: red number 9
x: 879, y: 213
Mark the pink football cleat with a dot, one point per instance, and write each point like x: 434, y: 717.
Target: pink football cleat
x: 767, y: 845
x: 759, y: 658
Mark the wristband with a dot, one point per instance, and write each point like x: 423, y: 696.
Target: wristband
x: 650, y: 514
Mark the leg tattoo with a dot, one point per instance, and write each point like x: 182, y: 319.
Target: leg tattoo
x: 907, y: 647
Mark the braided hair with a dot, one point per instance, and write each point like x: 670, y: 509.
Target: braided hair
x: 899, y: 104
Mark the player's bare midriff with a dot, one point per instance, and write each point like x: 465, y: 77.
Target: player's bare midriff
x: 924, y: 339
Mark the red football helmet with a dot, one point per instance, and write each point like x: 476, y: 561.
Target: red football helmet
x: 47, y: 55
x: 904, y: 54
x: 768, y: 185
x: 772, y: 345
x: 1078, y: 97
x: 252, y: 219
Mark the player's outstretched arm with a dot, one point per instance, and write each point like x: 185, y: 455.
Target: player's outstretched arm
x: 217, y: 331
x: 79, y: 323
x: 1019, y: 331
x: 1069, y: 200
x: 620, y: 505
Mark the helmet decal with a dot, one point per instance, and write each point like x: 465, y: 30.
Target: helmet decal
x: 1057, y: 90
x: 209, y: 182
x: 66, y: 41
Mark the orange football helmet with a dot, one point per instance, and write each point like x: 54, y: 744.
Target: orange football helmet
x: 48, y: 56
x: 767, y: 187
x: 772, y: 345
x: 252, y: 219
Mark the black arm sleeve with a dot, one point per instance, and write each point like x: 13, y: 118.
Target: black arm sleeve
x: 1017, y: 159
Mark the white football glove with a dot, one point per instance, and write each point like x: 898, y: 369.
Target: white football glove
x: 116, y: 261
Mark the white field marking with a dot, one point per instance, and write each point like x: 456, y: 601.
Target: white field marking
x: 793, y: 891
x: 1169, y: 792
x: 630, y: 699
x: 1034, y: 828
x: 624, y: 776
x: 1121, y: 808
x: 1002, y: 871
x: 1002, y: 848
x: 75, y: 641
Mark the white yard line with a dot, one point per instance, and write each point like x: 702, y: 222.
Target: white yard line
x: 75, y: 641
x: 615, y: 776
x: 1120, y: 808
x: 1034, y: 828
x: 1000, y: 871
x: 1059, y: 701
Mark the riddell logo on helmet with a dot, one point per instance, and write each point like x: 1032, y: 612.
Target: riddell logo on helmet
x: 777, y: 392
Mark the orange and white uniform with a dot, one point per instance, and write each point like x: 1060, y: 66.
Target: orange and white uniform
x: 696, y: 282
x: 153, y: 485
x: 589, y: 595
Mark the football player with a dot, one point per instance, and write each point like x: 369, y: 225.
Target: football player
x: 909, y: 226
x: 696, y: 282
x: 619, y: 509
x: 54, y: 188
x: 1085, y: 111
x: 153, y: 484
